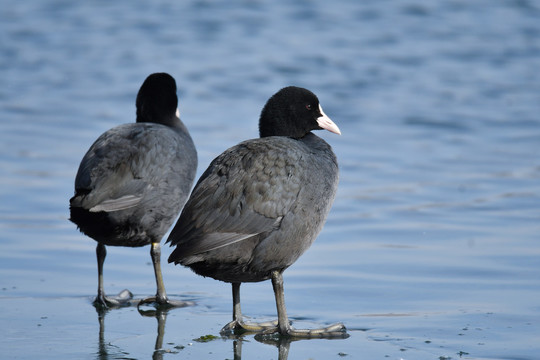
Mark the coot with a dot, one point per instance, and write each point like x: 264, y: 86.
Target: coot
x: 261, y: 204
x: 134, y: 180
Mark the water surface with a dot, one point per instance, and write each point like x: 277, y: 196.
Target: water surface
x: 431, y: 250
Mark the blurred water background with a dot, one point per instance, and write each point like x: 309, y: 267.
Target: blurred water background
x: 431, y: 250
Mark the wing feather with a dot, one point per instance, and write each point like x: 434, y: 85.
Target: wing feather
x: 118, y: 171
x: 246, y: 191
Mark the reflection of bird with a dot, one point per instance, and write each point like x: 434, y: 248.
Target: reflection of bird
x: 261, y: 203
x: 161, y: 316
x: 134, y: 179
x: 107, y: 350
x: 282, y: 343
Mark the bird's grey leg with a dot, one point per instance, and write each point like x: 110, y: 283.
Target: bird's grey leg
x: 237, y: 309
x: 102, y: 301
x: 237, y: 324
x: 101, y: 253
x: 161, y: 299
x: 284, y: 327
x: 155, y: 254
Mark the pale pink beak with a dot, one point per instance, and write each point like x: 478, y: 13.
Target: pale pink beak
x: 327, y: 124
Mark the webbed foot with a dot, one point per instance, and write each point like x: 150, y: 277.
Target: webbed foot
x: 164, y: 303
x: 239, y: 327
x: 122, y: 299
x: 333, y: 331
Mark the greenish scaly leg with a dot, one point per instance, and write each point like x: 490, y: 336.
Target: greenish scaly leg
x: 238, y: 325
x: 102, y: 301
x: 284, y: 327
x: 161, y: 298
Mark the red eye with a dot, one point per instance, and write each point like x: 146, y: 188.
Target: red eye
x: 308, y: 106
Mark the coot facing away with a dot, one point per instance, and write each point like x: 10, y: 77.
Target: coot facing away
x: 261, y: 204
x: 134, y: 180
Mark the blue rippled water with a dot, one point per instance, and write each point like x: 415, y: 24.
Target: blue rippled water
x: 431, y: 250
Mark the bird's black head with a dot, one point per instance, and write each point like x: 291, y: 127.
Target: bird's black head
x: 157, y: 101
x: 293, y: 112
